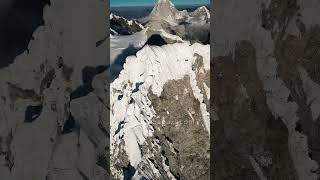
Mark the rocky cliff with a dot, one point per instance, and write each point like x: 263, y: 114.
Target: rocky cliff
x: 160, y: 124
x: 159, y: 114
x: 265, y: 93
x: 53, y: 102
x: 122, y: 26
x: 190, y: 26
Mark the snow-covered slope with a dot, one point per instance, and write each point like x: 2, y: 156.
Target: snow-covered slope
x: 191, y: 26
x: 164, y: 10
x: 268, y: 56
x: 200, y: 12
x: 133, y: 114
x: 123, y: 46
x: 160, y: 98
x: 119, y: 43
x: 53, y: 105
x: 123, y: 26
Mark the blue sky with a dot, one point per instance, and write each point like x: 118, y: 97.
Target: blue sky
x: 117, y: 3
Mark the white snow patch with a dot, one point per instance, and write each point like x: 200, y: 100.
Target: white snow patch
x: 246, y: 17
x: 118, y: 44
x: 277, y: 101
x: 312, y: 91
x: 152, y: 66
x: 207, y: 89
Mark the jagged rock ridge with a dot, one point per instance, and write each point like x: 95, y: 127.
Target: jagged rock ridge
x: 191, y: 26
x: 160, y: 100
x: 44, y: 133
x: 154, y: 140
x: 122, y: 26
x: 266, y: 76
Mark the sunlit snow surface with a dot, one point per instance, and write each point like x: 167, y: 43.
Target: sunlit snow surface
x: 152, y: 67
x: 139, y: 70
x: 120, y: 43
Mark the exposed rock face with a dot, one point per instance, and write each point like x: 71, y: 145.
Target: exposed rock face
x: 159, y: 119
x: 246, y: 125
x: 45, y: 132
x: 164, y: 10
x: 266, y: 92
x: 201, y: 12
x: 193, y: 26
x: 122, y: 26
x: 180, y: 132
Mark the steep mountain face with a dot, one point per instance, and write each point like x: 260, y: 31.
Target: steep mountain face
x: 126, y: 38
x: 160, y: 99
x: 266, y: 91
x: 191, y: 26
x: 200, y: 12
x: 53, y: 102
x: 164, y: 10
x: 159, y: 118
x: 122, y: 26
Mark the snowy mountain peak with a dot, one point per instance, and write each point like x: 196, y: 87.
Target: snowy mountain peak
x: 204, y: 9
x: 165, y: 10
x: 201, y: 11
x: 165, y: 1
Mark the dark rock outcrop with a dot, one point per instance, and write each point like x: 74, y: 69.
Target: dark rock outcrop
x: 18, y: 20
x: 266, y: 93
x: 181, y: 132
x: 123, y: 26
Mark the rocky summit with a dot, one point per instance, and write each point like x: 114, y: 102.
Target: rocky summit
x: 191, y: 26
x: 164, y: 10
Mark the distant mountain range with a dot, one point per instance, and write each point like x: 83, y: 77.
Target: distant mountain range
x: 192, y: 26
x: 138, y: 12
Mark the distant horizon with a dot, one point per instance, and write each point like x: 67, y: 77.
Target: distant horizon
x: 150, y: 3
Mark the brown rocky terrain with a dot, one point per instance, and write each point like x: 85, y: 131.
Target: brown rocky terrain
x: 160, y: 125
x: 266, y: 90
x: 180, y: 130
